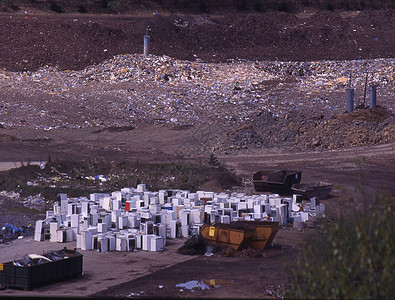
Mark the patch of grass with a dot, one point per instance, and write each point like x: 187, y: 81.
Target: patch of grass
x: 22, y: 210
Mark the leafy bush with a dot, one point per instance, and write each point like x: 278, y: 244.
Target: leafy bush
x: 351, y: 256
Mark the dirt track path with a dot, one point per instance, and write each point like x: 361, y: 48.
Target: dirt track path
x: 372, y: 167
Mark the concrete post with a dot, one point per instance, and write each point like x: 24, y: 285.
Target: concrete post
x: 372, y: 96
x: 146, y: 42
x: 350, y: 100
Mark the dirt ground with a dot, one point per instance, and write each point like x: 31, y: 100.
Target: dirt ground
x: 31, y: 41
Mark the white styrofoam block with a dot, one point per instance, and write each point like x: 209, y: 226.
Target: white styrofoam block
x: 157, y: 243
x: 241, y: 206
x: 247, y: 217
x: 149, y: 227
x: 116, y: 204
x: 75, y: 220
x: 111, y: 242
x: 163, y: 232
x: 121, y: 242
x: 78, y: 241
x: 84, y: 224
x: 176, y: 201
x: 275, y: 201
x: 197, y: 216
x: 154, y: 200
x: 102, y: 244
x: 141, y: 188
x: 184, y: 230
x: 133, y: 222
x: 63, y: 206
x: 102, y: 227
x: 193, y: 196
x: 296, y: 216
x: 106, y: 203
x: 115, y: 214
x: 86, y: 240
x: 304, y: 216
x: 320, y: 210
x: 98, y: 196
x: 225, y: 219
x: 281, y: 213
x: 53, y: 227
x: 155, y: 207
x: 258, y: 208
x: 174, y: 229
x: 38, y: 231
x: 184, y: 217
x: 146, y: 245
x: 85, y: 208
x: 74, y: 232
x: 117, y: 195
x: 162, y: 197
x: 139, y: 240
x: 122, y: 222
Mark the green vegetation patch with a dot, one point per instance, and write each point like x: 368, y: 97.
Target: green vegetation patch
x: 350, y: 256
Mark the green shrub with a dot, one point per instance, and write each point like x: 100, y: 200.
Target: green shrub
x: 351, y: 256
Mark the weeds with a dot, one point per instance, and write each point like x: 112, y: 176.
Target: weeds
x: 350, y: 256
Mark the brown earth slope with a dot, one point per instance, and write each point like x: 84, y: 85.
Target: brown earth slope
x: 30, y: 41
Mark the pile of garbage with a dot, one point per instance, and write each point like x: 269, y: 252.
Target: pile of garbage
x: 132, y: 88
x: 35, y: 259
x: 11, y: 232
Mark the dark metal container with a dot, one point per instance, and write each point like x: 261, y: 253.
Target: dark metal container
x: 62, y: 264
x: 318, y: 189
x: 276, y: 181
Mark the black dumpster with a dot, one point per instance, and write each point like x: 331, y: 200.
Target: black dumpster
x: 276, y: 181
x: 319, y: 189
x: 37, y: 270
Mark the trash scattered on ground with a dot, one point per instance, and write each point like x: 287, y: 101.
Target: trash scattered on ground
x: 132, y: 294
x: 203, y: 284
x: 272, y: 291
x: 193, y: 284
x: 176, y: 91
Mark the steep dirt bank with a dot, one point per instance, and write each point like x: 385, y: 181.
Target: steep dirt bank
x: 30, y: 41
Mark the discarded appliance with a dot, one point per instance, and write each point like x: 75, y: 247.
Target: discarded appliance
x: 319, y: 189
x: 34, y: 270
x: 276, y: 181
x: 241, y: 234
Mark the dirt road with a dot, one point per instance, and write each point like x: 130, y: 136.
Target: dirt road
x: 101, y: 270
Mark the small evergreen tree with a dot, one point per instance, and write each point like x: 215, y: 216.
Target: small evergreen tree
x: 213, y: 161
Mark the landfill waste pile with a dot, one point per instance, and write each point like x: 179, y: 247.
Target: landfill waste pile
x: 18, y: 215
x: 10, y: 232
x: 302, y: 102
